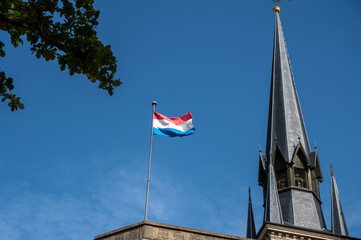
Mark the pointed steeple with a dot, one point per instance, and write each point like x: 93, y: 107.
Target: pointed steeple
x: 251, y: 229
x: 273, y: 212
x: 338, y: 222
x: 285, y: 120
x: 289, y: 172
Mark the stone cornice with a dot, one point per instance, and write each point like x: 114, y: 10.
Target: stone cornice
x: 277, y: 231
x: 153, y: 230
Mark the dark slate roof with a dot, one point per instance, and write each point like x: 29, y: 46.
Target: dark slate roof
x: 312, y: 157
x: 273, y: 212
x: 285, y: 120
x: 262, y: 169
x: 251, y: 229
x: 300, y: 207
x: 264, y: 161
x: 338, y: 222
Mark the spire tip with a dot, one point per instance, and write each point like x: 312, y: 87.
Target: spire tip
x: 276, y: 9
x: 331, y: 169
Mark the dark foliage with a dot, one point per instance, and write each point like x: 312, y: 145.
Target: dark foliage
x: 62, y: 30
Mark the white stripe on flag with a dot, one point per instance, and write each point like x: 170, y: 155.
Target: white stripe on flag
x: 162, y: 123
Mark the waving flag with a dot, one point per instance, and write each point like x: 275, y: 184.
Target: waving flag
x: 173, y: 127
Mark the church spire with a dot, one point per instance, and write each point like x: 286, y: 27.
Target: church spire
x: 289, y: 172
x: 251, y: 229
x: 285, y: 120
x: 338, y: 222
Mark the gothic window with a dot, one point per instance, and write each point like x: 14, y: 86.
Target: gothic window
x: 300, y: 171
x: 300, y: 178
x: 281, y: 172
x: 281, y: 178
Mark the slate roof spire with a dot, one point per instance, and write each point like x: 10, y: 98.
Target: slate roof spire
x: 251, y: 229
x: 338, y: 222
x: 272, y: 211
x: 285, y: 120
x: 289, y: 172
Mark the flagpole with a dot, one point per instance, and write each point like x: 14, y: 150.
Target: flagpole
x: 150, y: 159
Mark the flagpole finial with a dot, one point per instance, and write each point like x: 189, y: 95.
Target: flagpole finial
x: 154, y: 103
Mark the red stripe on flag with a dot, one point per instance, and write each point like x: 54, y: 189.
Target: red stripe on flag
x: 175, y: 120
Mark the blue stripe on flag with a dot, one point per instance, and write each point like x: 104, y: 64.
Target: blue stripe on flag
x: 171, y: 132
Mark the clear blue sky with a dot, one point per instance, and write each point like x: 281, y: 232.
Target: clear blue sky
x: 73, y: 164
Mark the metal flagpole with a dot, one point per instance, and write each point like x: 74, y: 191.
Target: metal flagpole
x: 150, y: 159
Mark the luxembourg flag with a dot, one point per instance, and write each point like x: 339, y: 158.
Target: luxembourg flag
x: 173, y: 126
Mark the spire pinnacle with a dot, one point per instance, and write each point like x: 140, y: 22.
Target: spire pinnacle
x: 251, y: 229
x: 338, y: 222
x: 273, y: 211
x: 331, y: 169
